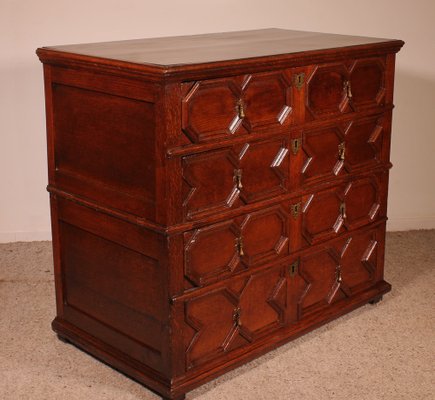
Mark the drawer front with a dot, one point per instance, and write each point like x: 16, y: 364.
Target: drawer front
x: 330, y: 212
x: 343, y: 148
x: 340, y: 269
x: 244, y: 309
x: 338, y: 88
x: 234, y: 315
x: 220, y: 180
x: 217, y: 251
x: 222, y: 108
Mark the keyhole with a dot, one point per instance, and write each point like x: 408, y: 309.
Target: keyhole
x: 299, y: 80
x: 294, y: 268
x: 295, y: 208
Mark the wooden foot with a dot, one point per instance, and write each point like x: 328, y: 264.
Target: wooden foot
x: 376, y: 300
x: 63, y: 339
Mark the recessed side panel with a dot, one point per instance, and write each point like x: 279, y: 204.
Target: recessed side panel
x: 113, y: 287
x: 104, y: 148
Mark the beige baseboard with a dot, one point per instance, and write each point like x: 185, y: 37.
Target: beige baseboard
x: 24, y: 236
x: 410, y: 223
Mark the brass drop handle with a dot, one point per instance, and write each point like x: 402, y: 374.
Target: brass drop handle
x: 343, y: 210
x: 341, y: 151
x: 240, y: 109
x: 238, y: 178
x: 338, y: 275
x: 239, y: 247
x: 348, y: 89
x: 236, y: 316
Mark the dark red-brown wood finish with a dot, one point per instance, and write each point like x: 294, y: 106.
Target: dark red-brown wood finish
x: 215, y: 196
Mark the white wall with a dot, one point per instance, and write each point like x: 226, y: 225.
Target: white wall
x: 26, y: 25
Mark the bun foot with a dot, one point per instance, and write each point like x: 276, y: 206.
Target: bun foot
x: 376, y: 300
x: 63, y: 339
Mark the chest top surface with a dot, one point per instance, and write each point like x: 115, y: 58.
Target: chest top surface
x: 187, y: 51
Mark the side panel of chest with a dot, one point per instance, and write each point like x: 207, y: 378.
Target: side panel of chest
x: 103, y: 138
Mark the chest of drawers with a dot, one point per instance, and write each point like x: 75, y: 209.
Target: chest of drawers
x: 215, y: 196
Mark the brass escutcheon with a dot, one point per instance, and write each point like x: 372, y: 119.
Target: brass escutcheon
x: 299, y: 80
x: 295, y: 209
x: 293, y: 269
x: 296, y: 145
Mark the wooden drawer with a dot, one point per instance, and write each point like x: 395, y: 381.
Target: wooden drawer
x: 217, y: 109
x: 329, y: 212
x: 340, y: 268
x: 218, y: 251
x: 242, y: 310
x: 234, y: 315
x: 338, y: 88
x: 223, y: 179
x: 340, y: 149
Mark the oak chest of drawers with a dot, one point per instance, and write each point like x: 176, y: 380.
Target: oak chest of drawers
x: 215, y: 196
